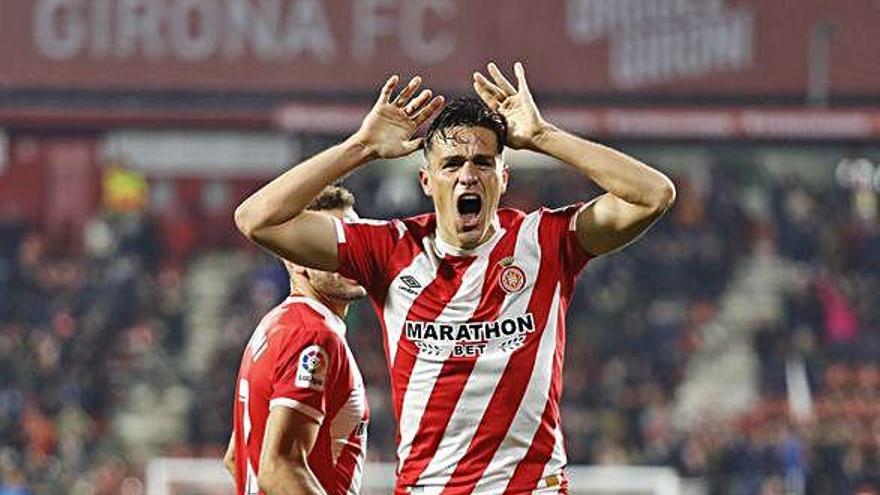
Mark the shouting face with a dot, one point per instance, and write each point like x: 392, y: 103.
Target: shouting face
x: 465, y: 177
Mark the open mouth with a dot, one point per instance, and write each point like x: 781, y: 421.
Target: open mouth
x: 469, y: 206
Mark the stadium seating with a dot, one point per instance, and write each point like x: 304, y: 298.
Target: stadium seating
x: 122, y: 346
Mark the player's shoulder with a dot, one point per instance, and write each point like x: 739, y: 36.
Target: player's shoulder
x: 395, y: 228
x: 510, y: 216
x: 565, y: 210
x: 420, y: 225
x: 302, y: 318
x: 565, y: 216
x: 413, y: 228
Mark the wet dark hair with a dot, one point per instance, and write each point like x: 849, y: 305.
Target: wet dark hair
x: 332, y: 198
x: 466, y: 111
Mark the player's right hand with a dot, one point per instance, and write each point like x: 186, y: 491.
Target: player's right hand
x: 387, y: 131
x: 524, y: 122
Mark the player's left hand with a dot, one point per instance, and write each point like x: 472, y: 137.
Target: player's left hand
x: 524, y: 121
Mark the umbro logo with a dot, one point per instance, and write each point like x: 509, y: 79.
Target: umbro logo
x: 410, y: 284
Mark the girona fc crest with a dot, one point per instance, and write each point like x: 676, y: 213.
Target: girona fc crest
x: 512, y: 278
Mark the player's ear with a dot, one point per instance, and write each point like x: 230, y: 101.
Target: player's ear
x: 424, y: 180
x: 505, y: 176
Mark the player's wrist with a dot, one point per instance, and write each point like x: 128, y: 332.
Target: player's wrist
x: 543, y: 135
x: 364, y: 149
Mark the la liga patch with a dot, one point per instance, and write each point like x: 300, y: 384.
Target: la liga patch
x: 311, y: 368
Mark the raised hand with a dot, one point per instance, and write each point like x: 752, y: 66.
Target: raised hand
x: 387, y: 131
x: 524, y: 121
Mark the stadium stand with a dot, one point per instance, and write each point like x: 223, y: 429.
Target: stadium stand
x: 122, y: 346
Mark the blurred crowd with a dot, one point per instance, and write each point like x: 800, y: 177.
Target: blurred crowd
x: 70, y: 320
x: 80, y: 322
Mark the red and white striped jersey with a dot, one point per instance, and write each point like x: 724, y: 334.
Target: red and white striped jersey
x: 474, y: 341
x: 297, y: 357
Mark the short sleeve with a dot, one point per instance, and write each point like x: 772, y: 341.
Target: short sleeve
x: 560, y: 225
x: 363, y: 247
x: 306, y: 371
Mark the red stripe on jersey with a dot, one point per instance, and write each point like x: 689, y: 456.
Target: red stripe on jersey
x: 530, y: 469
x: 512, y: 386
x: 426, y: 307
x: 455, y: 373
x: 321, y: 454
x: 348, y: 461
x: 444, y: 396
x: 528, y: 472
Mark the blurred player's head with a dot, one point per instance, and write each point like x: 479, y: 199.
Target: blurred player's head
x: 464, y: 174
x: 331, y: 288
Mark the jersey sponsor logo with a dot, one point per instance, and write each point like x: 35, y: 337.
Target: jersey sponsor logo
x: 512, y: 278
x: 311, y: 371
x: 471, y: 338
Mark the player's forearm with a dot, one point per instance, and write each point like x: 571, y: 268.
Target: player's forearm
x: 289, y: 479
x: 229, y: 457
x: 615, y: 172
x: 287, y: 196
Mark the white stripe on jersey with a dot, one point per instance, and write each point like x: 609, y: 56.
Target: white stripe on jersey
x: 467, y: 297
x: 398, y: 302
x: 346, y: 419
x: 528, y: 417
x: 340, y: 231
x: 355, y: 487
x: 487, y: 370
x: 345, y: 422
x: 306, y: 409
x: 527, y: 254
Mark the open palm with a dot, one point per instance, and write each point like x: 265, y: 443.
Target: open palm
x: 524, y: 122
x: 388, y: 128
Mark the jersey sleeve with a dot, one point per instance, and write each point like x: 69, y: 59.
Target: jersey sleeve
x: 306, y: 372
x: 364, y: 247
x: 560, y: 224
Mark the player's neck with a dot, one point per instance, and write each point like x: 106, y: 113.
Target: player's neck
x: 452, y: 240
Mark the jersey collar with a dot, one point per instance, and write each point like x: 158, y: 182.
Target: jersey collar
x: 334, y: 322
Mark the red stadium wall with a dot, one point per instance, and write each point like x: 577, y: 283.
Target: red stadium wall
x: 54, y: 182
x: 51, y: 181
x: 662, y: 47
